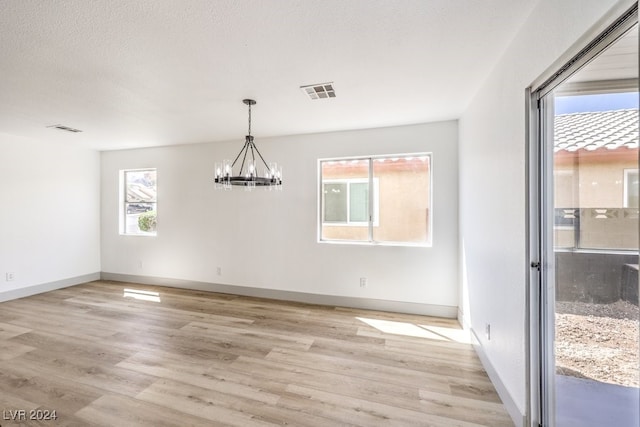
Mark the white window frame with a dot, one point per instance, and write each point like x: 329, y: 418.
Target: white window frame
x: 122, y: 203
x: 627, y: 178
x: 373, y: 198
x: 373, y: 202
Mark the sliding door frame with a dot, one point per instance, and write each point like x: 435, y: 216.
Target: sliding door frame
x: 540, y: 321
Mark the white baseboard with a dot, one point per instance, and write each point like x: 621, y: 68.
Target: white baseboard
x: 46, y: 287
x: 463, y: 320
x: 516, y: 415
x: 331, y: 300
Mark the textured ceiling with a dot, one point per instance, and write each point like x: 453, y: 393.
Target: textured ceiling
x: 160, y: 72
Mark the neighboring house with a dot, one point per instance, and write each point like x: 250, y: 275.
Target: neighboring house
x: 596, y: 179
x: 400, y: 191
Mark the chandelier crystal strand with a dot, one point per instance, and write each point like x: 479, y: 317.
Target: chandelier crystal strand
x: 248, y: 175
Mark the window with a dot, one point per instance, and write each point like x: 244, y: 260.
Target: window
x: 139, y: 204
x: 631, y: 188
x: 382, y: 200
x: 346, y: 202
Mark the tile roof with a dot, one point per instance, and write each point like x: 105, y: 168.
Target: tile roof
x: 596, y: 131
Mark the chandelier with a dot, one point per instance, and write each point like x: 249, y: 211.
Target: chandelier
x: 248, y: 175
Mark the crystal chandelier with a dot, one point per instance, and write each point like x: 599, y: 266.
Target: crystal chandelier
x: 248, y: 175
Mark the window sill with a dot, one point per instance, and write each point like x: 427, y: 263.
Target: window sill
x: 373, y: 244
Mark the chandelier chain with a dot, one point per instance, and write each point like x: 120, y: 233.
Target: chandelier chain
x: 249, y: 119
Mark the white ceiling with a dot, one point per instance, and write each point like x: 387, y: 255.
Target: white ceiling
x: 159, y: 72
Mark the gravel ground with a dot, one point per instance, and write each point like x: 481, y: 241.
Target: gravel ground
x: 598, y: 341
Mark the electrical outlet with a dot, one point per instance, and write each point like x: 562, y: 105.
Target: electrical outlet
x: 219, y: 271
x: 140, y: 264
x: 487, y: 331
x: 10, y: 277
x: 363, y: 282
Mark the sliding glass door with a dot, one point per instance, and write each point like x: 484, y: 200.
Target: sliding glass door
x: 587, y: 226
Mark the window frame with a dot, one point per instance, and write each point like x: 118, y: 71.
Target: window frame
x: 123, y: 203
x: 374, y: 206
x: 625, y: 191
x: 373, y: 199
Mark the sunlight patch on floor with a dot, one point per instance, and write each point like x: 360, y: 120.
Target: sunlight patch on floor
x: 419, y: 331
x: 142, y: 295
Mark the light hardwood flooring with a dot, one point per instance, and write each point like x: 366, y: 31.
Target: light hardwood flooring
x: 189, y: 358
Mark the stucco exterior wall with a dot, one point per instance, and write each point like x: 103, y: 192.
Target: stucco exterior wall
x: 593, y: 182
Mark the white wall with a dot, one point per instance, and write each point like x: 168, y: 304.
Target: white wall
x: 50, y: 215
x: 493, y: 192
x: 268, y: 239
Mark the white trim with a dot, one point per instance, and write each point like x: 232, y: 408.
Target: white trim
x: 47, y: 287
x: 374, y: 243
x: 122, y: 202
x: 519, y: 418
x: 446, y: 311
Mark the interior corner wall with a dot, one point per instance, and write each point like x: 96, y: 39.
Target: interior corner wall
x: 268, y: 239
x: 493, y: 194
x: 50, y: 216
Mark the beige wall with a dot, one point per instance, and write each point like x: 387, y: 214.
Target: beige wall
x: 590, y: 180
x: 404, y: 206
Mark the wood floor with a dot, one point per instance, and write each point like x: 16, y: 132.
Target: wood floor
x: 189, y: 358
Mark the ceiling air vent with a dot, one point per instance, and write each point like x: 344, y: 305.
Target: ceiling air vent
x: 64, y: 128
x: 320, y: 90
